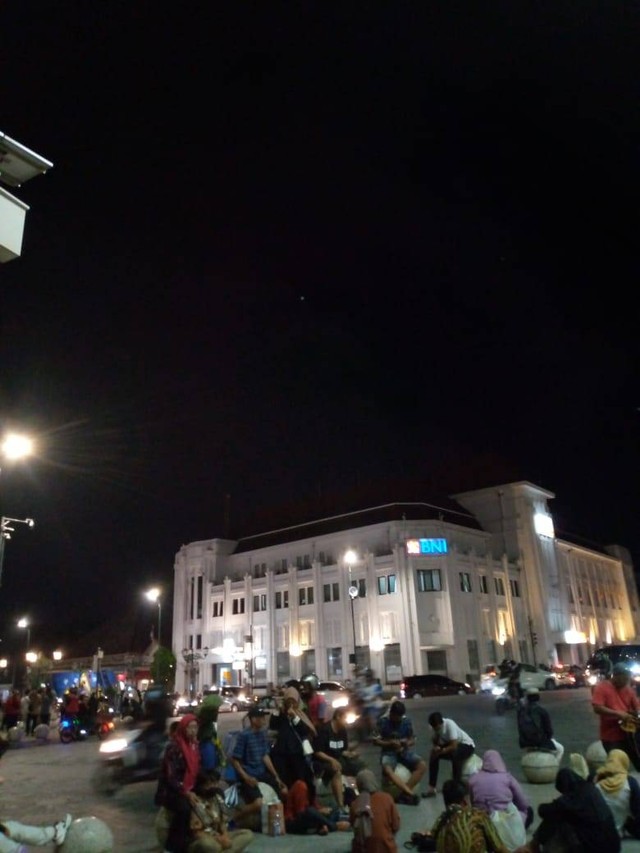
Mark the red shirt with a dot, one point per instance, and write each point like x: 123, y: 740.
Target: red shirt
x: 623, y: 699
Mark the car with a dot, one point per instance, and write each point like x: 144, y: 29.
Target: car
x: 569, y: 675
x: 487, y: 677
x: 335, y: 694
x: 236, y: 699
x: 530, y: 676
x: 414, y: 686
x: 602, y: 661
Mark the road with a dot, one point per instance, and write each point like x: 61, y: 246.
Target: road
x: 44, y: 782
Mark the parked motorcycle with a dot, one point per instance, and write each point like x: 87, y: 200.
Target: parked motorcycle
x: 131, y: 755
x: 73, y: 728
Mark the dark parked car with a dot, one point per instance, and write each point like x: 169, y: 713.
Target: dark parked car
x: 570, y: 675
x: 432, y: 685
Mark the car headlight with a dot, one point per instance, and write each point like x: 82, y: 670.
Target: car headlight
x: 340, y: 702
x: 498, y: 691
x: 351, y: 717
x: 592, y: 679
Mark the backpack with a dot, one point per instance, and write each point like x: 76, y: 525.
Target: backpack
x: 362, y: 825
x: 529, y: 728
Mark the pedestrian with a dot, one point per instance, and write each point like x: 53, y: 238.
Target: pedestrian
x: 621, y: 792
x: 461, y: 828
x: 11, y: 710
x: 178, y: 774
x: 381, y: 816
x: 450, y: 743
x: 33, y: 712
x: 292, y: 749
x: 45, y: 706
x: 617, y: 705
x: 534, y: 726
x: 332, y: 757
x: 209, y: 744
x: 251, y: 759
x: 578, y: 821
x: 397, y: 740
x: 208, y: 828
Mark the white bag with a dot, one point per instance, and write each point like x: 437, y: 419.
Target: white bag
x: 510, y: 827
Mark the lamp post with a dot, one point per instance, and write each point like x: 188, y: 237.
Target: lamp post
x: 351, y: 558
x: 23, y: 623
x: 5, y: 533
x: 192, y: 658
x: 155, y: 595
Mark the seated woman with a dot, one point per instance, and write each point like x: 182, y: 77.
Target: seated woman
x: 303, y: 814
x: 578, y: 821
x: 621, y: 792
x: 493, y: 788
x: 292, y: 750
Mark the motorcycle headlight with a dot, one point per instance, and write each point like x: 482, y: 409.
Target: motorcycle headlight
x: 498, y: 691
x: 351, y: 717
x: 592, y: 679
x: 116, y: 744
x: 340, y: 702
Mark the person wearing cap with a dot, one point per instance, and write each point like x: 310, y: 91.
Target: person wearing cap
x: 251, y: 759
x: 534, y: 726
x: 617, y: 705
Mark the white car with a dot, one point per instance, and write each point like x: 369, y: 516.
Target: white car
x: 530, y: 676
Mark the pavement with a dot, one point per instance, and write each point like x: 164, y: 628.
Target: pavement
x: 43, y: 782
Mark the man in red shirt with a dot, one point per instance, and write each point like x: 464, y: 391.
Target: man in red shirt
x: 616, y: 704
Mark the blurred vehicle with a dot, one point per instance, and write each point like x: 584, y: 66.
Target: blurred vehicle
x: 530, y: 676
x: 236, y: 699
x: 569, y: 675
x: 130, y: 755
x: 602, y: 661
x: 415, y: 686
x: 487, y: 677
x: 335, y: 693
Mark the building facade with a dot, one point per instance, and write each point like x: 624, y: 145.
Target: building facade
x: 402, y: 589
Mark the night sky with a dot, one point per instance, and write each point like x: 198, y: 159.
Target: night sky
x: 299, y: 258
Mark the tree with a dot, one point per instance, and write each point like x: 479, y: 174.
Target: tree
x: 163, y: 668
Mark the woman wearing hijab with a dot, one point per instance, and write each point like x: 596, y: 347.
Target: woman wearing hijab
x: 292, y: 750
x: 621, y: 792
x: 493, y: 788
x: 382, y: 816
x: 578, y: 821
x: 178, y: 774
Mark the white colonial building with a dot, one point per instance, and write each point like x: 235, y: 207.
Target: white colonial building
x: 413, y: 587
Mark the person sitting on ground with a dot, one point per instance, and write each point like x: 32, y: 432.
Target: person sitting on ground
x: 209, y: 831
x: 332, y: 757
x: 14, y: 836
x: 382, y: 817
x: 621, y: 792
x: 251, y: 759
x: 578, y: 764
x: 450, y: 743
x: 303, y: 814
x: 292, y: 749
x: 396, y: 738
x: 578, y: 821
x: 616, y: 703
x: 461, y: 828
x: 534, y: 726
x: 493, y: 788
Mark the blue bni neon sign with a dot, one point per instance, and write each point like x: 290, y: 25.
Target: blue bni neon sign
x: 427, y: 546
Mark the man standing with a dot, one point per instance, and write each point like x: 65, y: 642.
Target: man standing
x: 450, y: 743
x: 617, y: 704
x: 534, y: 726
x: 397, y: 741
x: 332, y: 755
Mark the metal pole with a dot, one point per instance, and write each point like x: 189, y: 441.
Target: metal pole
x: 159, y: 622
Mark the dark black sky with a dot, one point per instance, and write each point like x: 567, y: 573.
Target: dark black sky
x: 312, y: 256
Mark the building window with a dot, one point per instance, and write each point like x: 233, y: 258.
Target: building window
x: 284, y: 567
x: 282, y: 665
x: 306, y: 562
x: 570, y: 594
x: 482, y: 583
x: 362, y: 587
x: 465, y: 582
x: 282, y: 599
x: 256, y: 603
x: 429, y: 580
x: 199, y: 604
x: 515, y: 588
x: 499, y: 585
x: 321, y: 558
x: 237, y: 606
x: 259, y: 602
x: 386, y: 584
x: 334, y: 662
x: 305, y: 595
x: 217, y: 608
x: 331, y: 592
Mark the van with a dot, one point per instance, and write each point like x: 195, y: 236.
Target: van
x: 602, y: 661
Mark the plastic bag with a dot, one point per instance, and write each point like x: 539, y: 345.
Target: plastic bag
x: 231, y: 797
x: 510, y: 827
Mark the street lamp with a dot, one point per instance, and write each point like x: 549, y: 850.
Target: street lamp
x: 15, y: 446
x: 23, y: 623
x: 351, y: 558
x: 5, y: 533
x: 154, y: 594
x: 192, y: 657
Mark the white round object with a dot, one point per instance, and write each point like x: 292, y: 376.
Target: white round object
x: 595, y: 755
x: 16, y: 734
x: 540, y: 767
x: 88, y: 835
x: 42, y: 732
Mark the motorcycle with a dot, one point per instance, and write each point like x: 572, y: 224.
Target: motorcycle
x: 132, y: 755
x: 72, y: 728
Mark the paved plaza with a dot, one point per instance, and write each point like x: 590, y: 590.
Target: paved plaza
x: 43, y: 782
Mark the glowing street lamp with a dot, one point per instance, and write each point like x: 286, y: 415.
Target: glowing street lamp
x: 155, y: 595
x: 15, y: 446
x: 350, y: 559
